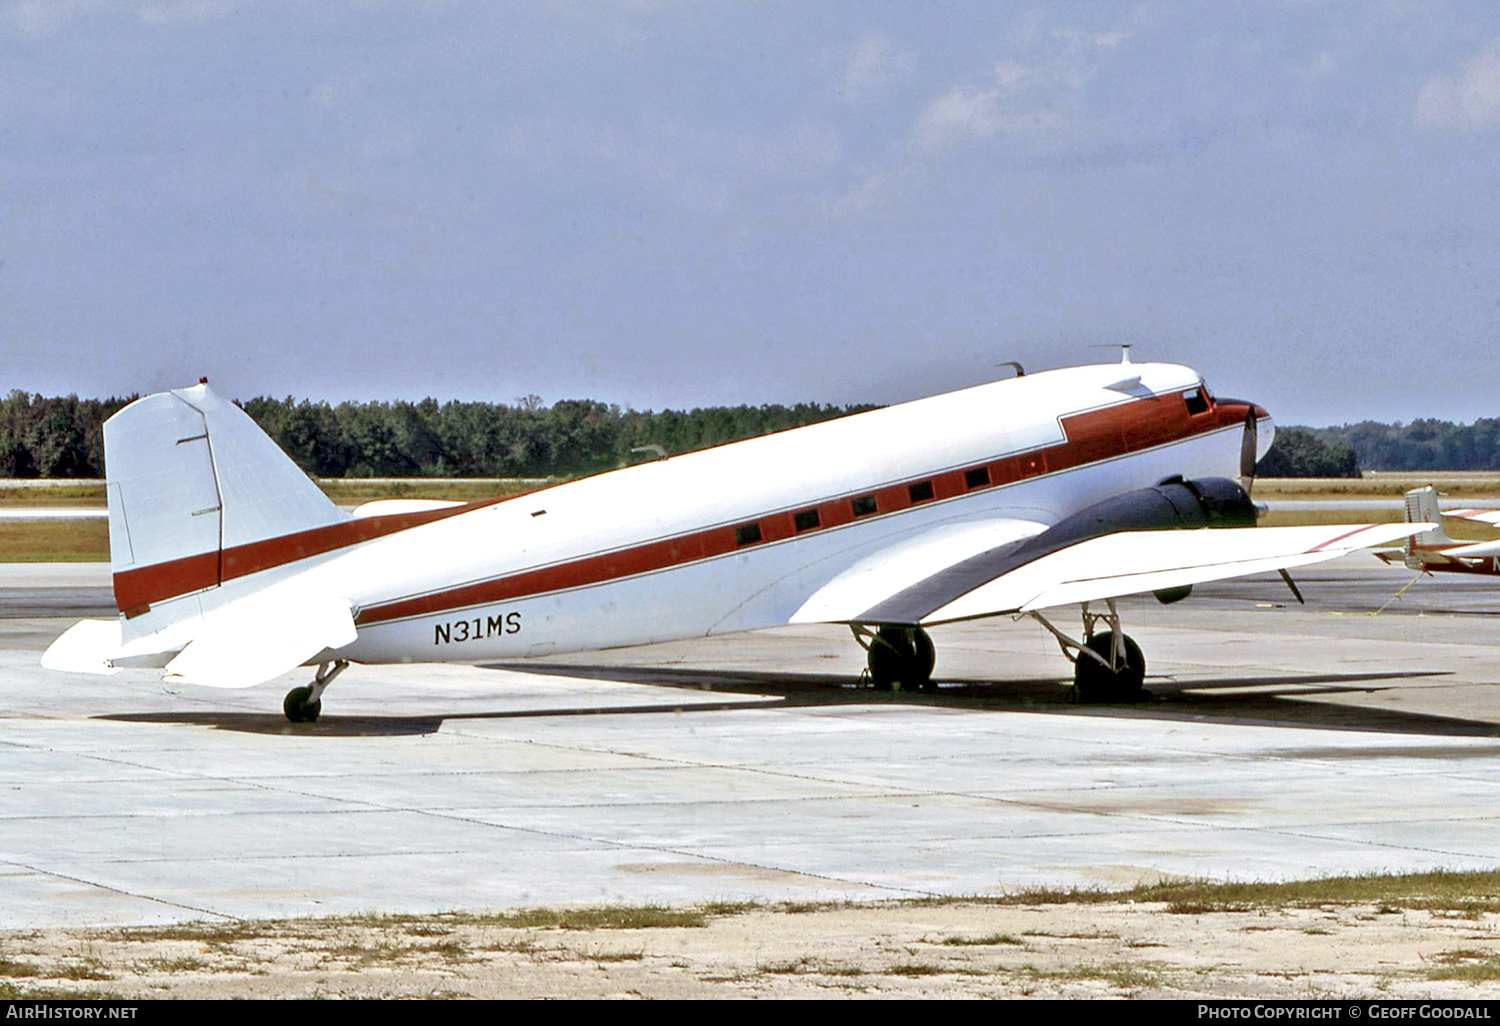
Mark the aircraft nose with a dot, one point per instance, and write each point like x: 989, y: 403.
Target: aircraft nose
x: 1265, y: 431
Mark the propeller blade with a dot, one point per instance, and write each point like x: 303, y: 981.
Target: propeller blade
x: 1249, y: 443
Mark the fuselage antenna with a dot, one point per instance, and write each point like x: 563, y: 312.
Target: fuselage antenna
x: 1020, y: 371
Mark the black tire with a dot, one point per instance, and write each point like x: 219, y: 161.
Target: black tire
x: 902, y: 658
x: 297, y: 707
x: 1095, y: 682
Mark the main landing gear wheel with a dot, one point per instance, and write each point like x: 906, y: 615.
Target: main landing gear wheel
x: 302, y: 705
x: 298, y: 708
x: 901, y: 658
x: 1096, y: 682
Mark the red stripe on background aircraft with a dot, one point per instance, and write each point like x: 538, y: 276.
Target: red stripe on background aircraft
x: 1050, y: 489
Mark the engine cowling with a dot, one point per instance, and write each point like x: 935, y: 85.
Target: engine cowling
x: 1170, y: 504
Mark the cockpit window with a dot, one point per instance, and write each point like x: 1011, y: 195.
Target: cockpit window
x: 1197, y: 399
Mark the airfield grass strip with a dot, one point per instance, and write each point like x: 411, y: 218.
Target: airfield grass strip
x: 1463, y: 892
x: 1466, y: 893
x: 342, y: 491
x: 54, y: 541
x: 52, y: 494
x: 374, y: 940
x: 86, y: 541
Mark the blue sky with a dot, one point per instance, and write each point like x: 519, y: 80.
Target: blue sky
x: 690, y: 203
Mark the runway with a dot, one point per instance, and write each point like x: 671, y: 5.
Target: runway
x: 1281, y: 742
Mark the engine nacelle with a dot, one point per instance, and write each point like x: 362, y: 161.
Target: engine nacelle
x: 1169, y: 504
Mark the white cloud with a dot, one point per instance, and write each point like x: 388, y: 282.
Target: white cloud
x: 1469, y: 100
x: 962, y: 113
x: 1021, y: 97
x: 873, y: 66
x: 863, y: 196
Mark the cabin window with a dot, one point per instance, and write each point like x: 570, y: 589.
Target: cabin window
x: 979, y: 477
x: 863, y: 506
x: 1197, y: 401
x: 806, y: 520
x: 747, y: 534
x: 920, y: 492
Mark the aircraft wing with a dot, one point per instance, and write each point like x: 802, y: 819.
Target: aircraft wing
x: 945, y: 560
x: 1007, y: 579
x: 1483, y: 516
x: 1478, y: 550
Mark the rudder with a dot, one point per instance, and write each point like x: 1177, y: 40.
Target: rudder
x: 1422, y: 507
x: 189, y: 477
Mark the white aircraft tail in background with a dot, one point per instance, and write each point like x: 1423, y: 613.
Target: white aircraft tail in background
x: 1434, y: 550
x: 1072, y: 486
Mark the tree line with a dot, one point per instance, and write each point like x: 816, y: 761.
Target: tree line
x: 63, y: 437
x: 60, y: 437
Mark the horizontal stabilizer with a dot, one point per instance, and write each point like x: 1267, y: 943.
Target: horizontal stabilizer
x: 263, y: 636
x: 86, y: 647
x: 1483, y: 516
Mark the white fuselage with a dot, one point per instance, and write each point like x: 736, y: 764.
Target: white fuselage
x: 663, y: 550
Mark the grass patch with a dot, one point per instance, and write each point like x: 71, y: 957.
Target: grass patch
x: 612, y: 956
x: 173, y: 965
x: 1378, y: 485
x: 212, y: 934
x: 919, y: 969
x: 1123, y: 975
x: 605, y: 917
x: 1466, y: 965
x: 90, y: 970
x: 989, y: 940
x: 87, y: 541
x: 353, y: 491
x: 808, y: 966
x: 60, y: 493
x: 54, y: 541
x: 17, y: 970
x: 595, y: 917
x: 1448, y: 891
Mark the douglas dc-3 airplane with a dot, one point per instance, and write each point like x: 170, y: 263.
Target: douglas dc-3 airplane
x: 1049, y: 489
x: 1433, y: 550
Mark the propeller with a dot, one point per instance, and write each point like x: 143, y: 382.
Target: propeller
x: 1249, y: 444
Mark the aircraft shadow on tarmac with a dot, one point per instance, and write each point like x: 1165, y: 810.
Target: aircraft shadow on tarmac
x: 1288, y: 700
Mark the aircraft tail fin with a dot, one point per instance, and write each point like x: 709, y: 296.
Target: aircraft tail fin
x: 190, y: 477
x: 1422, y: 507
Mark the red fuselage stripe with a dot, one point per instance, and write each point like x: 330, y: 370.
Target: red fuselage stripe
x: 1091, y: 437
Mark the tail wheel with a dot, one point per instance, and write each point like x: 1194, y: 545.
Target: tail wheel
x: 1096, y: 682
x: 902, y: 658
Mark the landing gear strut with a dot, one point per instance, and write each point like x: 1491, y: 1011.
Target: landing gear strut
x: 302, y: 705
x: 900, y: 658
x: 1108, y: 666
